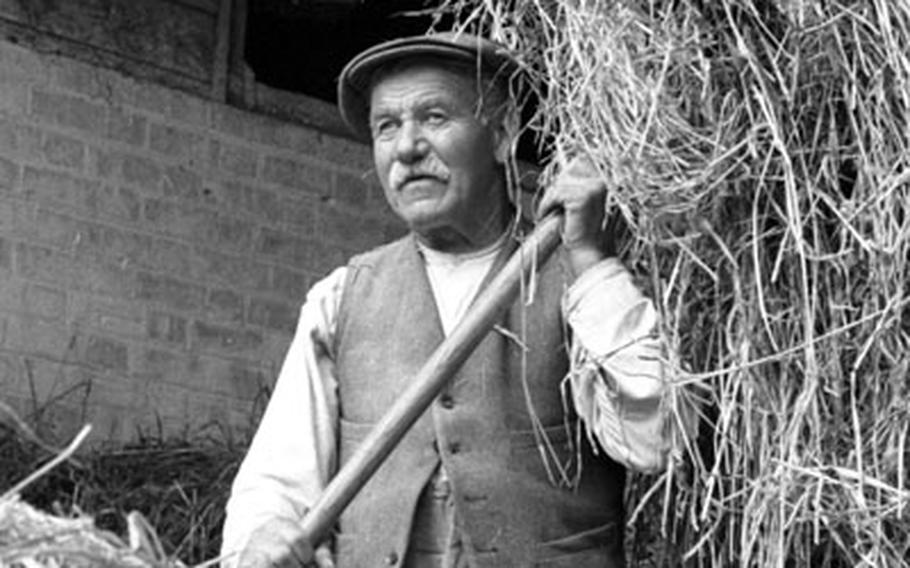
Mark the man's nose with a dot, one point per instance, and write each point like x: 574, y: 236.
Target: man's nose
x: 411, y: 146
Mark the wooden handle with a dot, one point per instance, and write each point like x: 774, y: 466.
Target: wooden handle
x: 433, y: 376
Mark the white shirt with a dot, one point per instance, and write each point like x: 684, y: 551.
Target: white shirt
x: 616, y: 383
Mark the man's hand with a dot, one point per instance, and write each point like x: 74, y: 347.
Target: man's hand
x: 280, y: 544
x: 580, y: 193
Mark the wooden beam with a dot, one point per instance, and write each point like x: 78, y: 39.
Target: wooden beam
x: 222, y: 52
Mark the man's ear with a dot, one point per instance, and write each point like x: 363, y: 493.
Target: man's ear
x: 505, y: 134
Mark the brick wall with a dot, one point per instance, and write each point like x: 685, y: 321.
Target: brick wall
x: 155, y: 247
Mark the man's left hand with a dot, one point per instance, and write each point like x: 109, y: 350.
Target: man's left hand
x: 580, y: 193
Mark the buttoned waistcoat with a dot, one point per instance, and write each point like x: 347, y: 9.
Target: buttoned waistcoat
x: 513, y: 505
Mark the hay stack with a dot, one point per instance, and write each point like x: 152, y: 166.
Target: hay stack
x: 759, y: 151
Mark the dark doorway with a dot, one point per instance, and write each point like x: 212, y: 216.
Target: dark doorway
x: 302, y: 45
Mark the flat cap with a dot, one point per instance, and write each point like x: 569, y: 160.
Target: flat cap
x: 491, y: 59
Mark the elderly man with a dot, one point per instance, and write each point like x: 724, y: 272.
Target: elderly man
x: 494, y: 473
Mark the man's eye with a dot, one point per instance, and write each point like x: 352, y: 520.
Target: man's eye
x: 383, y: 128
x: 436, y: 117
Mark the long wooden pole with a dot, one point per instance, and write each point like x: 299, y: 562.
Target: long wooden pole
x: 431, y: 379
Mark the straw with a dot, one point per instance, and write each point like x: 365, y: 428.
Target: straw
x: 759, y: 153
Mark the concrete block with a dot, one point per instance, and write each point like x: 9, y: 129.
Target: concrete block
x: 9, y: 175
x: 106, y: 353
x: 12, y: 376
x: 69, y: 111
x: 326, y: 257
x: 18, y: 140
x: 229, y: 160
x: 172, y: 256
x: 78, y: 78
x: 175, y: 142
x: 118, y: 203
x: 156, y: 358
x: 22, y: 63
x: 230, y: 234
x: 12, y: 289
x: 28, y: 335
x: 6, y: 254
x: 238, y: 273
x: 224, y: 305
x: 353, y: 156
x: 236, y: 122
x: 356, y: 157
x: 182, y: 183
x: 182, y: 108
x: 285, y: 247
x: 64, y: 151
x: 45, y: 302
x: 376, y: 200
x: 170, y: 218
x: 114, y: 317
x: 60, y: 188
x: 301, y: 211
x: 51, y: 266
x: 349, y: 229
x: 263, y: 129
x: 103, y: 162
x: 274, y: 314
x: 225, y: 338
x: 292, y: 285
x: 140, y: 171
x: 169, y: 291
x: 297, y: 175
x: 200, y: 225
x: 232, y: 378
x: 127, y: 127
x: 62, y: 231
x: 248, y: 201
x: 13, y: 94
x: 167, y: 328
x: 352, y: 190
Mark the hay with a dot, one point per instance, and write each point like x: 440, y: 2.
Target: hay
x: 30, y: 538
x: 166, y: 497
x: 759, y: 153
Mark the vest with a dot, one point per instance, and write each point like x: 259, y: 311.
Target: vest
x: 513, y: 509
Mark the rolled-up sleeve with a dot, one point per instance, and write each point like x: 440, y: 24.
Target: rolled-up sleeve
x: 616, y: 378
x: 292, y: 456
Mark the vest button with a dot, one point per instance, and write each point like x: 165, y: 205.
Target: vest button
x: 454, y: 447
x: 447, y: 401
x: 392, y: 558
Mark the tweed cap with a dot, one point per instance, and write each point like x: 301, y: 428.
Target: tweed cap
x: 491, y: 59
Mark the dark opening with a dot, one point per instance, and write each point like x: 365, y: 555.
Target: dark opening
x: 302, y: 45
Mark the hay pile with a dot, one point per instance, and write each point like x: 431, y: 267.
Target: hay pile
x: 759, y: 152
x: 30, y: 538
x: 155, y: 504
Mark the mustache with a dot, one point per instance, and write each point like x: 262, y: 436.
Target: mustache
x: 432, y: 167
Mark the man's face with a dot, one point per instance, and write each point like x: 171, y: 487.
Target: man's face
x: 435, y: 156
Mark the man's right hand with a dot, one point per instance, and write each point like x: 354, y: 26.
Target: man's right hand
x: 280, y: 543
